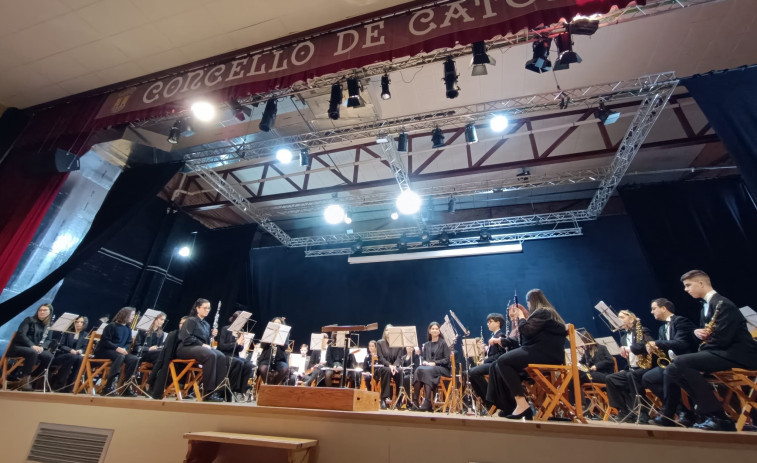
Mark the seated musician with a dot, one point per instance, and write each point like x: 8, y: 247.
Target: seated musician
x: 496, y: 347
x: 156, y: 383
x: 388, y: 367
x: 675, y: 337
x: 411, y: 359
x: 543, y: 340
x: 315, y: 363
x: 150, y: 342
x: 435, y: 364
x: 369, y: 364
x: 624, y: 386
x: 27, y: 344
x: 335, y: 364
x: 194, y: 343
x: 276, y: 370
x: 240, y: 369
x: 114, y: 344
x: 726, y: 343
x: 598, y: 362
x: 69, y: 356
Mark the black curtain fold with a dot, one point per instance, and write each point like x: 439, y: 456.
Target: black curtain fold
x: 729, y: 100
x: 129, y: 195
x: 709, y: 225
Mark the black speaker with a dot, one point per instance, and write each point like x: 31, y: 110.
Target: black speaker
x: 56, y: 161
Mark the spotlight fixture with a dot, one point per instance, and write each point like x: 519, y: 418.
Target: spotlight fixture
x: 394, y: 215
x: 269, y: 115
x: 498, y: 123
x: 203, y: 111
x: 357, y: 246
x: 334, y: 214
x: 240, y: 112
x: 450, y: 78
x: 583, y: 26
x: 452, y: 205
x: 484, y: 236
x: 347, y: 219
x: 304, y: 156
x: 402, y: 142
x: 382, y: 138
x: 425, y: 238
x: 408, y: 202
x: 437, y: 138
x: 480, y: 59
x: 606, y: 115
x: 185, y: 251
x: 353, y: 93
x: 175, y: 133
x: 385, y: 94
x: 565, y: 54
x: 284, y: 156
x: 470, y: 134
x: 402, y: 243
x: 540, y: 61
x: 444, y: 239
x: 335, y: 101
x: 523, y: 175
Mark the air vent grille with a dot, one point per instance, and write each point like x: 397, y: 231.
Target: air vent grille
x: 58, y: 443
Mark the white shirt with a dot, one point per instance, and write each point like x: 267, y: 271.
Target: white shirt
x: 707, y: 298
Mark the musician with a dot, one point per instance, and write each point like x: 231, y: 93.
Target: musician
x: 513, y: 336
x: 412, y: 358
x: 597, y: 359
x: 280, y: 371
x: 150, y: 342
x: 316, y: 362
x: 69, y: 356
x: 542, y: 336
x: 726, y: 343
x: 369, y: 363
x: 388, y: 366
x: 497, y: 346
x: 435, y: 364
x: 240, y: 369
x: 623, y: 386
x: 334, y: 360
x: 27, y: 344
x: 194, y: 343
x: 114, y: 344
x: 675, y: 337
x: 156, y: 383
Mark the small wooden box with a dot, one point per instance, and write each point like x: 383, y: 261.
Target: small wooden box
x: 322, y: 398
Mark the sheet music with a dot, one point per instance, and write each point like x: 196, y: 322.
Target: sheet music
x: 360, y: 354
x: 247, y: 342
x: 315, y: 341
x: 610, y: 343
x: 276, y: 333
x: 402, y: 336
x: 340, y: 338
x: 297, y: 362
x: 240, y: 321
x: 609, y: 315
x: 101, y: 328
x: 145, y: 321
x: 448, y: 332
x: 470, y: 348
x: 751, y: 318
x: 64, y: 322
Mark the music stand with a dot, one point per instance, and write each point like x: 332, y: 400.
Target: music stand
x: 275, y: 334
x: 609, y: 317
x: 404, y: 337
x: 347, y: 329
x: 143, y: 324
x: 610, y: 343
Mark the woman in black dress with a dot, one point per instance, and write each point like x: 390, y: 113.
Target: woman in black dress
x: 435, y: 364
x: 69, y: 356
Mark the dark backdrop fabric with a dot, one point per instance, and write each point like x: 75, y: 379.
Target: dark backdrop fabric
x: 729, y: 100
x: 129, y: 195
x: 709, y: 225
x: 575, y: 273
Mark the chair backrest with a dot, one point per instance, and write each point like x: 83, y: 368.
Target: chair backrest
x: 574, y: 370
x: 615, y: 362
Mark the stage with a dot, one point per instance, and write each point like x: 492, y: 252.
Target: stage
x: 151, y: 431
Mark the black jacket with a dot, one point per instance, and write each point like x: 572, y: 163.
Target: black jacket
x: 495, y: 350
x: 159, y: 373
x: 154, y: 339
x: 730, y: 337
x: 194, y: 332
x: 29, y: 332
x: 265, y: 354
x: 67, y: 343
x: 601, y: 359
x: 227, y: 342
x: 335, y: 357
x: 388, y: 356
x: 543, y: 338
x: 682, y: 339
x: 638, y: 346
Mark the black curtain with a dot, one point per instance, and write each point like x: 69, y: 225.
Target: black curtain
x: 709, y: 225
x: 129, y: 195
x: 12, y: 122
x: 729, y: 100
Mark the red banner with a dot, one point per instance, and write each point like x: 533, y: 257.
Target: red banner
x: 424, y: 30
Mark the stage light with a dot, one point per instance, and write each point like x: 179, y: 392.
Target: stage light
x: 583, y: 26
x: 408, y: 202
x: 284, y: 156
x: 347, y: 219
x: 385, y: 94
x: 402, y: 143
x: 437, y: 138
x: 540, y: 61
x: 304, y: 157
x: 484, y: 236
x: 185, y: 251
x: 606, y: 115
x: 335, y: 101
x: 452, y: 205
x: 394, y: 215
x: 498, y: 123
x: 402, y: 243
x: 565, y: 54
x: 240, y: 112
x: 444, y: 239
x: 333, y: 214
x: 269, y: 116
x: 175, y: 133
x: 450, y: 78
x: 357, y: 246
x: 480, y: 59
x: 353, y: 93
x: 382, y: 138
x: 425, y: 238
x: 470, y: 134
x: 203, y: 111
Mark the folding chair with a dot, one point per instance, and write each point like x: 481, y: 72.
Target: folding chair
x: 599, y: 403
x: 741, y: 384
x: 9, y: 364
x: 91, y: 369
x: 190, y: 373
x: 448, y: 391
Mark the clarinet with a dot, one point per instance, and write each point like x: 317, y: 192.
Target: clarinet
x: 46, y: 332
x: 215, y: 322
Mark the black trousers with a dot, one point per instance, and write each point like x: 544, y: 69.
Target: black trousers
x: 68, y: 367
x: 597, y: 377
x: 478, y: 380
x: 279, y: 373
x: 117, y: 360
x: 623, y: 386
x: 240, y: 372
x: 31, y: 357
x: 504, y: 379
x: 213, y: 364
x: 384, y: 374
x: 654, y: 380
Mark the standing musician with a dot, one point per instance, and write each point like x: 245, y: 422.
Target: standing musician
x: 240, y: 369
x: 623, y: 386
x: 114, y: 344
x: 194, y: 343
x: 390, y: 361
x: 280, y: 369
x: 27, y: 344
x: 435, y: 364
x: 542, y: 337
x: 150, y: 341
x: 675, y: 337
x: 69, y: 356
x: 726, y: 343
x: 498, y: 344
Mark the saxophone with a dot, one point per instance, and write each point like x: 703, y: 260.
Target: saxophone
x: 662, y: 359
x: 643, y: 361
x: 710, y: 326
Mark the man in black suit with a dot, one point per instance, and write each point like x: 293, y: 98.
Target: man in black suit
x: 497, y: 346
x: 726, y: 343
x: 676, y: 337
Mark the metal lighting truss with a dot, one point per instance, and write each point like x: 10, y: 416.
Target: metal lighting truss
x: 436, y: 243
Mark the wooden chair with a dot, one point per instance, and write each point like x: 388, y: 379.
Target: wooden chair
x: 551, y: 383
x: 91, y: 369
x: 9, y: 364
x: 599, y: 402
x: 742, y: 385
x: 190, y: 373
x: 145, y: 368
x: 449, y: 394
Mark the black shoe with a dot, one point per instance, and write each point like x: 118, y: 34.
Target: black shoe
x: 528, y: 414
x: 426, y: 406
x: 382, y: 404
x: 716, y: 424
x: 213, y: 398
x: 128, y: 393
x: 663, y: 421
x: 502, y: 414
x: 644, y: 418
x: 106, y: 390
x: 687, y: 419
x: 413, y: 407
